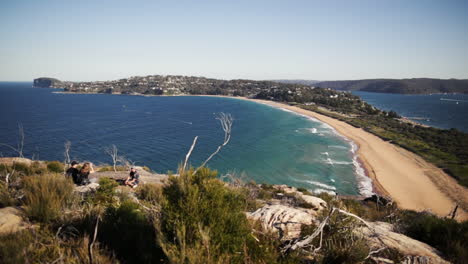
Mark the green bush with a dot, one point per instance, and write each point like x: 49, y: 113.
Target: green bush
x: 46, y: 196
x: 202, y: 221
x: 105, y: 192
x: 55, y: 166
x: 446, y: 235
x: 150, y: 192
x: 130, y: 234
x: 42, y: 246
x: 111, y: 168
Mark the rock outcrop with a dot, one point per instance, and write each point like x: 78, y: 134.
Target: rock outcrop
x: 283, y: 219
x: 381, y: 235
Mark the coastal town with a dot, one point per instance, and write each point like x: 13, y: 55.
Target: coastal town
x: 173, y: 85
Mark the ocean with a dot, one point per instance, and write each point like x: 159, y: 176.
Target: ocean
x: 268, y: 145
x: 436, y: 110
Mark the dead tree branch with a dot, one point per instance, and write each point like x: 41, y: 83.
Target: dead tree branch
x: 226, y: 123
x: 66, y: 153
x: 189, y: 153
x: 113, y: 151
x: 20, y: 143
x: 90, y: 246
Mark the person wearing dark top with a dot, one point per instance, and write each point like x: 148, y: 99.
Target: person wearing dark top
x: 133, y: 179
x: 73, y: 172
x: 84, y: 173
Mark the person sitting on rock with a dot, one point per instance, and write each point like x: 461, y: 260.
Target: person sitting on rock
x: 73, y: 172
x: 133, y: 179
x: 84, y: 173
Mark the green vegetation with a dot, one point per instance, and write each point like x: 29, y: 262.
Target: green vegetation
x: 55, y: 166
x: 193, y: 218
x: 111, y: 168
x: 46, y: 196
x: 447, y: 235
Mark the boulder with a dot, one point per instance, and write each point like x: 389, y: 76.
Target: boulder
x: 283, y: 219
x: 381, y: 235
x: 11, y: 220
x: 316, y: 203
x: 92, y: 187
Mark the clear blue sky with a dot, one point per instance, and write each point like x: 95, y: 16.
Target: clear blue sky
x: 323, y: 40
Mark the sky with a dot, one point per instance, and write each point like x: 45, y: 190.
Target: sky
x: 315, y: 40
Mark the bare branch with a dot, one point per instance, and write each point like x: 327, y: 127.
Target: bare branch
x: 113, y: 151
x: 226, y: 123
x: 189, y: 153
x: 20, y: 143
x: 90, y: 246
x: 21, y: 140
x: 66, y: 153
x: 125, y: 162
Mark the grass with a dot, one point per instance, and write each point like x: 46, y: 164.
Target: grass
x: 55, y: 166
x: 150, y: 192
x: 46, y: 196
x: 43, y: 246
x: 111, y: 168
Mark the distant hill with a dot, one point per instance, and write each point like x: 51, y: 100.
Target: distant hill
x: 46, y: 82
x: 303, y: 82
x: 401, y: 86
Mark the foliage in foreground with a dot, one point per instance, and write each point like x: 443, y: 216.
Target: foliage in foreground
x: 203, y: 221
x: 195, y: 218
x: 46, y: 196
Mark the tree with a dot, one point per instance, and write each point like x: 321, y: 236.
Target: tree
x: 113, y: 151
x: 20, y: 143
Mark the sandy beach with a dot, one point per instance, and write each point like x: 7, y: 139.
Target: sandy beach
x: 412, y: 182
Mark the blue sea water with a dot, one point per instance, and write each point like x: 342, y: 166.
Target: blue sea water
x: 268, y: 145
x: 437, y: 110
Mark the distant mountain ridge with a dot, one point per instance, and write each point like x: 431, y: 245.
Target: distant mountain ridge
x: 401, y: 86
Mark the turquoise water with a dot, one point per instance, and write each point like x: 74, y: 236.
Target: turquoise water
x: 268, y: 145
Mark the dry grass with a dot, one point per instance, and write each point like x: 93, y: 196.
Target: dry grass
x: 47, y: 195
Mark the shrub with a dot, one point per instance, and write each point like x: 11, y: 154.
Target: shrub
x: 446, y: 235
x: 42, y: 246
x: 5, y: 196
x: 304, y: 191
x: 105, y: 192
x: 111, y: 168
x: 202, y: 221
x: 129, y: 234
x: 47, y: 196
x: 340, y: 244
x: 150, y: 192
x: 55, y: 166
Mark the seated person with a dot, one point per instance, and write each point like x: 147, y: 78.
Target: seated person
x: 84, y: 173
x: 73, y: 172
x: 133, y: 179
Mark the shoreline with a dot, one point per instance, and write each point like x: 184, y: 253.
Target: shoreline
x: 410, y: 181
